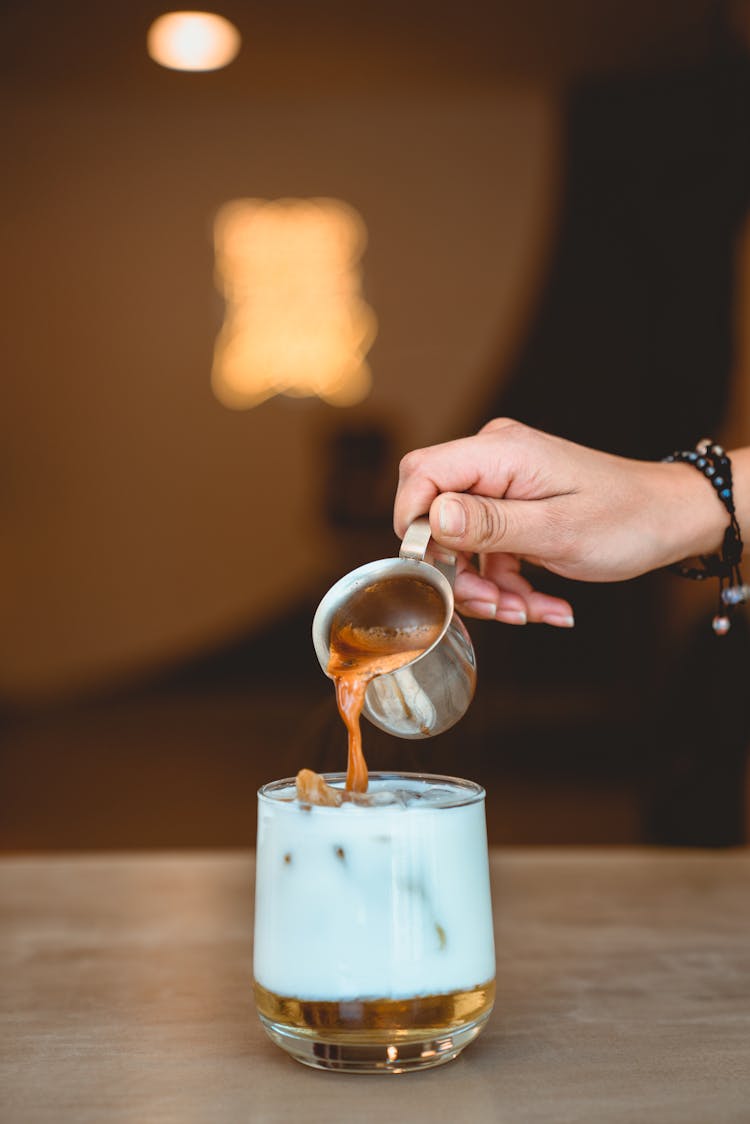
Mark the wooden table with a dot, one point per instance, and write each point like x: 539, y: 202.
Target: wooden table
x: 623, y: 979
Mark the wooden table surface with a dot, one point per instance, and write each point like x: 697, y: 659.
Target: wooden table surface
x: 623, y: 995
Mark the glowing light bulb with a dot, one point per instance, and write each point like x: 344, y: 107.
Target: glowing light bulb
x: 193, y: 41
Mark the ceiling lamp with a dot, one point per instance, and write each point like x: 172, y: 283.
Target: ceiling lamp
x: 193, y: 41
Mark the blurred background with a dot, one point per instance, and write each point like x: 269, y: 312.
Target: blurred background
x: 537, y: 210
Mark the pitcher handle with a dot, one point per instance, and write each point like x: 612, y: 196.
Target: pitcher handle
x: 415, y: 543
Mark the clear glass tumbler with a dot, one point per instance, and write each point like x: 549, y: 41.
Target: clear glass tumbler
x: 374, y: 946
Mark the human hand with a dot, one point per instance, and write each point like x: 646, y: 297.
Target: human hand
x: 511, y: 493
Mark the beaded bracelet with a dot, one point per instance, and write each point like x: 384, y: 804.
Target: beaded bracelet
x: 711, y: 460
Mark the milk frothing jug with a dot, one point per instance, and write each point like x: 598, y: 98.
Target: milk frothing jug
x: 429, y: 694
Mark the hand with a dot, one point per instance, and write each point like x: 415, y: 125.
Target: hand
x: 512, y: 493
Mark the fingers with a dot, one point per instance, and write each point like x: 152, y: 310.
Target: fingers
x: 471, y: 464
x: 501, y: 493
x: 501, y: 593
x: 505, y: 571
x: 477, y: 597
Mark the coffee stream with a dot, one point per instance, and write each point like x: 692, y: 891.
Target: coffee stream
x: 395, y: 620
x: 352, y: 666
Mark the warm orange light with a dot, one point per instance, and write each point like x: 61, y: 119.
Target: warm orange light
x: 192, y: 41
x: 295, y: 319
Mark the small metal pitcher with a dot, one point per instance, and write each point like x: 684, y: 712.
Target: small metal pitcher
x: 430, y: 694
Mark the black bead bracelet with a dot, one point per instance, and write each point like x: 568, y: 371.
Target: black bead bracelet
x: 710, y: 459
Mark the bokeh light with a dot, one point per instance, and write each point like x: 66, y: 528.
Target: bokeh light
x: 295, y: 320
x: 193, y: 41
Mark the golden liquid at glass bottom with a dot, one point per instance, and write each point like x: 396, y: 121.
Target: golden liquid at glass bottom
x: 370, y: 1019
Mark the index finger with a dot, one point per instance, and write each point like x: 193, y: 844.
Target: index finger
x: 470, y: 464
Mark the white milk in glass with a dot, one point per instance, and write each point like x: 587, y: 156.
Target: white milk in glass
x: 373, y: 933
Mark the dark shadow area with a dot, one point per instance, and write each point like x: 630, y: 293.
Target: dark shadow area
x: 631, y: 351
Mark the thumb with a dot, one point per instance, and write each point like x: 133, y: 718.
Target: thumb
x: 478, y: 524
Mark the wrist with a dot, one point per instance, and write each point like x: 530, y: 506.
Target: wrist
x: 710, y: 460
x: 692, y: 519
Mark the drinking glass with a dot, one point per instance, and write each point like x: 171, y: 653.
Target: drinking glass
x: 374, y: 946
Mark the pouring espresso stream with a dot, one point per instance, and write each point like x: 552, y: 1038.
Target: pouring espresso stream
x: 382, y: 627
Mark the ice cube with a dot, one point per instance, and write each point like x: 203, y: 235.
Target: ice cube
x: 374, y: 798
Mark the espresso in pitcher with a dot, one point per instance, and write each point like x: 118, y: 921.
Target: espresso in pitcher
x: 390, y: 632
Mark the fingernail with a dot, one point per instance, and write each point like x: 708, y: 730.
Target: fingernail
x: 511, y: 616
x: 559, y: 620
x: 451, y: 517
x: 480, y: 608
